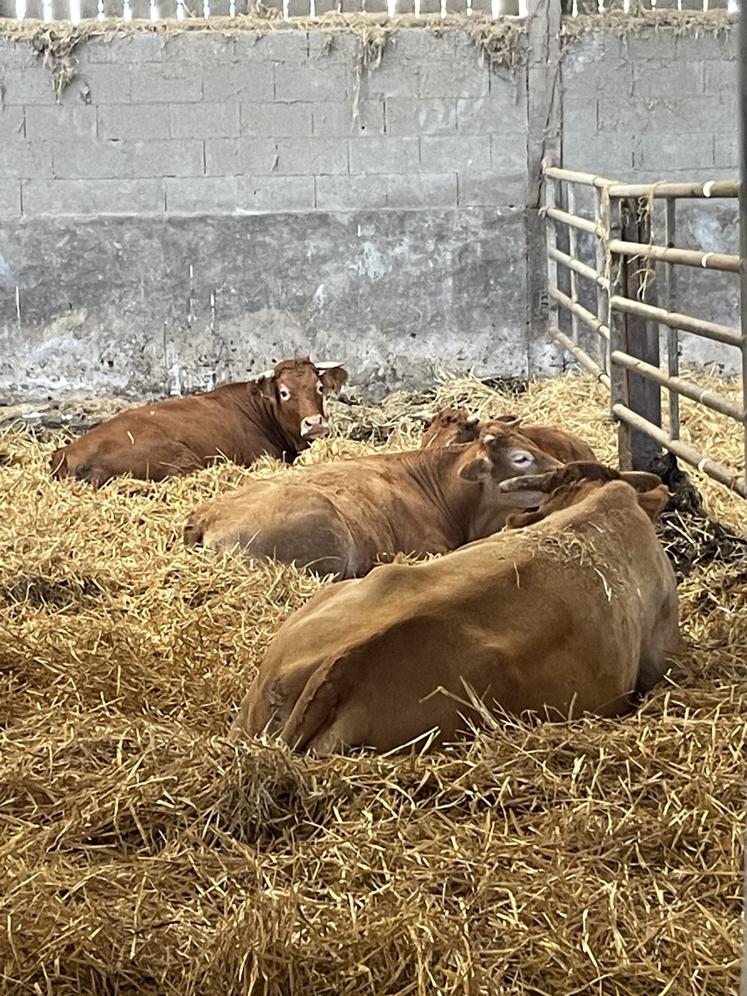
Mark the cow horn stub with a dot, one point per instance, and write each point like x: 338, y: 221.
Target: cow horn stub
x: 472, y: 420
x: 266, y: 375
x: 488, y: 438
x: 328, y: 365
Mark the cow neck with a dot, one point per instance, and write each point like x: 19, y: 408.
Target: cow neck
x: 435, y: 471
x: 260, y: 413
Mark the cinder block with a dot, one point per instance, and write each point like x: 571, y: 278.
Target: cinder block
x: 419, y: 46
x: 665, y: 81
x: 707, y: 45
x: 10, y: 198
x: 460, y: 154
x: 275, y: 120
x: 661, y: 151
x: 177, y: 157
x: 249, y: 81
x: 133, y: 121
x: 203, y: 195
x: 586, y: 70
x: 278, y: 193
x: 205, y: 120
x: 237, y: 157
x: 73, y: 197
x: 167, y: 83
x: 413, y: 116
x: 127, y: 50
x: 54, y: 124
x: 427, y: 190
x: 508, y: 153
x: 580, y: 115
x: 16, y: 54
x: 391, y: 78
x: 640, y: 46
x: 289, y: 45
x: 22, y: 159
x: 488, y: 190
x: 333, y: 46
x: 610, y: 154
x: 100, y: 84
x: 350, y: 193
x: 82, y: 160
x: 726, y: 150
x: 318, y: 82
x: 384, y: 155
x: 721, y: 77
x: 200, y: 47
x: 28, y: 86
x: 481, y: 115
x: 12, y: 127
x: 467, y: 79
x: 311, y: 156
x: 639, y: 116
x: 335, y: 119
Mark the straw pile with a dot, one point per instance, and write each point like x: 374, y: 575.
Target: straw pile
x: 141, y: 854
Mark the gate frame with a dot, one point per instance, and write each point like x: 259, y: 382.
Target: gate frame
x: 629, y: 326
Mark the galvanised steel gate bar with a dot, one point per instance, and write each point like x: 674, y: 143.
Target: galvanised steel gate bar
x: 614, y: 363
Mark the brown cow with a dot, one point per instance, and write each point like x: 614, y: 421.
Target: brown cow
x: 575, y: 613
x: 342, y: 518
x: 456, y: 425
x: 449, y: 426
x: 279, y: 414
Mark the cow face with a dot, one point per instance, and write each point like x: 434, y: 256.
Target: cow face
x: 448, y: 427
x: 506, y: 453
x: 297, y: 389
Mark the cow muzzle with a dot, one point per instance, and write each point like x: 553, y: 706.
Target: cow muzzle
x: 314, y: 427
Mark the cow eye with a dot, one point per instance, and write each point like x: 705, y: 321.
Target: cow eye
x: 284, y: 393
x: 520, y: 458
x: 320, y: 388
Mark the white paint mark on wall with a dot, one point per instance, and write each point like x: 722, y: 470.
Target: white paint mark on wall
x: 371, y: 264
x: 319, y: 298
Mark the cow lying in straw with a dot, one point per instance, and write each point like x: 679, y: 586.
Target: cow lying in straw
x: 455, y: 425
x: 340, y: 519
x: 574, y: 613
x: 280, y: 414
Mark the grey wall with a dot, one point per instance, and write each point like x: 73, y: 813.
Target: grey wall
x: 663, y: 106
x: 196, y: 207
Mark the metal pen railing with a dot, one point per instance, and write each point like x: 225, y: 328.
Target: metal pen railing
x: 626, y: 327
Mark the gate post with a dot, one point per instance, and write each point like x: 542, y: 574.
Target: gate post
x: 640, y: 339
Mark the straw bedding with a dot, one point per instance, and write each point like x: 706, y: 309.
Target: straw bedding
x: 140, y: 854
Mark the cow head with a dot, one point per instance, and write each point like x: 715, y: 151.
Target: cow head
x: 449, y: 426
x: 296, y: 389
x: 575, y: 481
x: 506, y: 453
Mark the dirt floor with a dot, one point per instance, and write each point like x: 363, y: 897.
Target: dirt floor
x: 141, y: 854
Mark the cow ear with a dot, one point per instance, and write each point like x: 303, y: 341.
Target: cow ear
x: 333, y: 379
x: 476, y: 470
x: 653, y: 502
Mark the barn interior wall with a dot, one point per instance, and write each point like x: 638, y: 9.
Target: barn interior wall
x: 197, y: 206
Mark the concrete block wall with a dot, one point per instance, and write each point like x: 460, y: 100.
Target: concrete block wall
x: 663, y: 106
x: 209, y: 123
x: 196, y: 206
x: 653, y: 105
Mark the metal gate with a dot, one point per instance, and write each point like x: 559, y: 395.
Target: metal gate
x: 619, y: 340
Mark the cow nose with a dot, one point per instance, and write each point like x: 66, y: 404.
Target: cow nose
x: 314, y: 427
